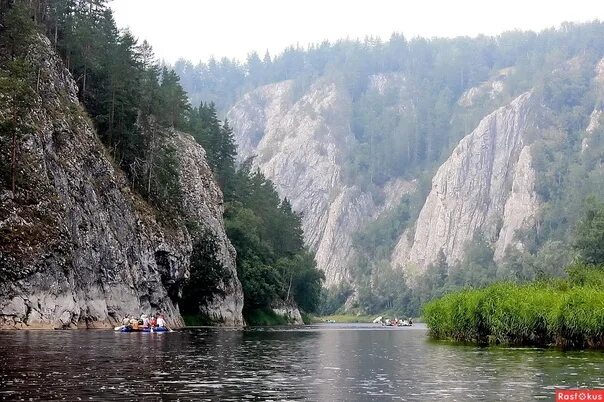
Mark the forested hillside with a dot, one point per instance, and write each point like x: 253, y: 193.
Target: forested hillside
x: 139, y: 111
x: 401, y: 107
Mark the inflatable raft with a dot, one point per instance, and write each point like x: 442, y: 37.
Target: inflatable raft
x: 128, y: 329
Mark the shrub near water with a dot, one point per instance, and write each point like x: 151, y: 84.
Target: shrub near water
x: 562, y: 313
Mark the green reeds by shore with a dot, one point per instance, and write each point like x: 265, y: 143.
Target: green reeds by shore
x: 567, y: 313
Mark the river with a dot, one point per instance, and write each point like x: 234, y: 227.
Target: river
x: 321, y: 362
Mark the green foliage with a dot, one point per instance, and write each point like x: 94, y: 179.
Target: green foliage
x: 586, y: 276
x: 562, y: 313
x: 17, y: 30
x: 15, y: 84
x: 589, y: 239
x: 17, y: 76
x: 380, y: 288
x: 349, y: 318
x: 387, y: 291
x: 173, y: 100
x: 166, y: 191
x: 333, y: 299
x: 197, y: 320
x: 207, y: 274
x: 408, y: 127
x: 272, y: 262
x: 535, y: 314
x: 119, y: 84
x: 219, y: 143
x: 307, y: 318
x: 477, y: 265
x: 264, y: 317
x: 379, y: 237
x: 302, y: 279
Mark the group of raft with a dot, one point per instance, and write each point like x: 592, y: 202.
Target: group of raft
x: 397, y: 323
x: 394, y: 322
x: 155, y: 323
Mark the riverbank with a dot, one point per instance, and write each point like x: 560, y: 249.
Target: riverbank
x: 567, y: 313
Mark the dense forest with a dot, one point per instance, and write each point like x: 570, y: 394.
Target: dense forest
x: 409, y: 130
x: 432, y: 75
x: 135, y: 103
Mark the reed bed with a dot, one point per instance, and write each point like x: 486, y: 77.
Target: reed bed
x: 565, y: 313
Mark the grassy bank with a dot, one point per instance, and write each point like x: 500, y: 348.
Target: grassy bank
x: 566, y: 313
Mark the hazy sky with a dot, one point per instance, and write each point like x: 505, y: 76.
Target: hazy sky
x: 198, y: 29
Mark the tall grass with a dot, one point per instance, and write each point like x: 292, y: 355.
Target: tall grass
x: 566, y: 313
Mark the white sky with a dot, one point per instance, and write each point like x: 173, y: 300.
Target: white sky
x: 198, y: 29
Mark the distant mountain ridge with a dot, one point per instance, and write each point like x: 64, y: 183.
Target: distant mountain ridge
x: 356, y: 128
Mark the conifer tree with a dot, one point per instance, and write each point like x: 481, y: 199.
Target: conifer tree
x: 227, y: 152
x: 174, y: 100
x: 16, y: 83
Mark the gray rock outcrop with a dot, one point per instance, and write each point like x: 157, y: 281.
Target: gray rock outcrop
x: 487, y: 185
x: 301, y: 145
x: 289, y: 311
x: 78, y: 247
x: 596, y: 115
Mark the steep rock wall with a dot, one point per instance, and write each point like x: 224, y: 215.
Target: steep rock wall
x: 596, y: 115
x: 486, y: 185
x: 202, y: 203
x: 78, y: 248
x: 301, y: 144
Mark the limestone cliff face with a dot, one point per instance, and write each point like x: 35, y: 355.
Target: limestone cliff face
x: 489, y: 89
x: 290, y: 312
x: 486, y: 185
x: 78, y: 247
x: 202, y: 203
x: 596, y: 115
x: 300, y: 144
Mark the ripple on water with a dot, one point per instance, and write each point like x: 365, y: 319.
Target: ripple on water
x: 317, y: 363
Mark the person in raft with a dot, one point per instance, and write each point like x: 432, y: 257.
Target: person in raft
x: 161, y: 323
x: 145, y: 320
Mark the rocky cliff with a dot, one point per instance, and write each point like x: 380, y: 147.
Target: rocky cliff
x: 78, y: 248
x: 487, y: 185
x: 596, y: 116
x: 301, y: 145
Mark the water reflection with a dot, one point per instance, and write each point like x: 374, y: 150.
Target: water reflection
x: 330, y: 362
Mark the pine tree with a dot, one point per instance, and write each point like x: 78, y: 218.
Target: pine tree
x: 589, y: 237
x: 16, y: 83
x: 173, y: 100
x: 227, y: 152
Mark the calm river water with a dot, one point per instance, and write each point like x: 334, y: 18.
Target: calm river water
x: 323, y: 362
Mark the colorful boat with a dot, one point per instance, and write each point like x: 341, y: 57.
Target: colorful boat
x: 130, y: 329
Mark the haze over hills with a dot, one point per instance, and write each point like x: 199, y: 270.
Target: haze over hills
x: 458, y: 155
